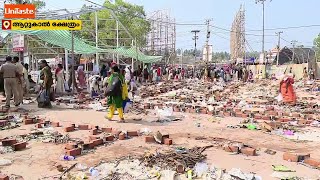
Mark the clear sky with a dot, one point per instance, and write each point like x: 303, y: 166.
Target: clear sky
x: 279, y: 13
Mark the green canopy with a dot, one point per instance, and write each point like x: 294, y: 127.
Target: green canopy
x: 63, y: 38
x: 135, y: 53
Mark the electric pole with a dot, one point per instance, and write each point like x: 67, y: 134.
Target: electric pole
x: 263, y: 51
x: 278, y: 52
x: 293, y: 51
x: 207, y: 41
x: 195, y: 38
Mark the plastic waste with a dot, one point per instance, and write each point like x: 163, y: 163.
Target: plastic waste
x: 189, y: 175
x: 279, y: 98
x: 5, y: 162
x: 251, y: 126
x: 81, y: 167
x: 145, y: 131
x: 288, y: 133
x: 164, y: 112
x: 201, y: 169
x: 93, y: 172
x: 281, y: 168
x: 67, y: 158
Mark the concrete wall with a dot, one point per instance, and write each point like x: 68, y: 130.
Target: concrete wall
x: 297, y: 69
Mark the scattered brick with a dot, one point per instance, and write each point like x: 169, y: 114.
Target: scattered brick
x: 74, y: 152
x: 210, y: 112
x: 4, y: 177
x: 55, y: 124
x: 19, y: 146
x: 272, y: 113
x: 39, y: 125
x: 168, y: 141
x: 284, y: 119
x: 93, y: 137
x: 266, y: 118
x: 97, y: 142
x: 164, y: 137
x: 28, y: 121
x: 9, y: 142
x: 257, y: 116
x: 302, y: 121
x: 122, y: 136
x: 83, y: 127
x: 94, y: 132
x: 70, y: 146
x: 238, y: 114
x: 248, y: 151
x: 88, y: 145
x: 132, y: 133
x: 204, y: 111
x: 294, y: 157
x: 69, y: 129
x: 3, y: 123
x: 116, y: 132
x: 297, y: 115
x: 149, y: 139
x: 109, y: 138
x: 234, y: 149
x: 176, y: 109
x: 312, y: 162
x: 244, y: 115
x: 192, y: 110
x: 227, y: 114
x: 107, y: 129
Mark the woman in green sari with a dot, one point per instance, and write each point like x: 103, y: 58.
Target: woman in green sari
x: 115, y: 102
x: 46, y: 77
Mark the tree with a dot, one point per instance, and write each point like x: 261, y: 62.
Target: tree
x: 133, y: 17
x: 316, y: 43
x: 38, y: 3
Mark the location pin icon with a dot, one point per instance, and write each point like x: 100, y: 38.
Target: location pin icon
x: 6, y: 24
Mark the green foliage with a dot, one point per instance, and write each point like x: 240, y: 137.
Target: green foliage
x: 132, y: 16
x: 316, y: 43
x: 38, y: 3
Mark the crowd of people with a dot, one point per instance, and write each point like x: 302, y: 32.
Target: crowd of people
x: 115, y: 82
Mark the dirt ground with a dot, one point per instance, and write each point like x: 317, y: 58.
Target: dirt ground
x: 38, y: 160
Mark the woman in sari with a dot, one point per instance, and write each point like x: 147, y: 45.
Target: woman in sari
x: 287, y: 90
x: 115, y: 102
x: 46, y: 77
x: 81, y: 77
x: 59, y: 80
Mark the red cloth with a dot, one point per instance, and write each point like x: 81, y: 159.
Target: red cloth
x: 159, y: 72
x: 58, y: 70
x: 287, y: 91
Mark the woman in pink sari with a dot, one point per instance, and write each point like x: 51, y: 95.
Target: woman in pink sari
x: 81, y: 77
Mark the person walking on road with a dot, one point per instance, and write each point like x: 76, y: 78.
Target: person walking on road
x: 46, y: 77
x: 60, y: 80
x: 10, y: 74
x: 20, y: 80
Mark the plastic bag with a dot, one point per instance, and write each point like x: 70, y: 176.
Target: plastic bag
x: 127, y: 104
x: 279, y: 98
